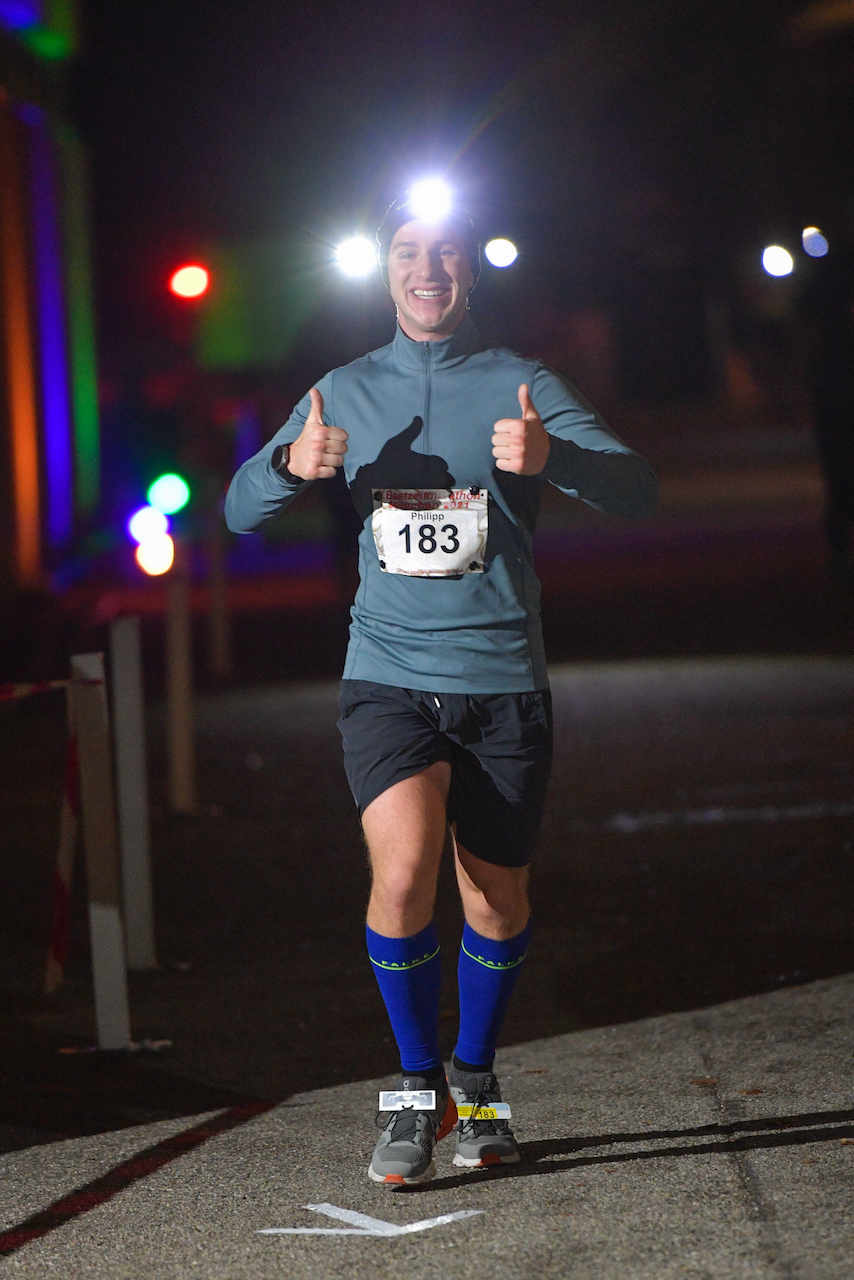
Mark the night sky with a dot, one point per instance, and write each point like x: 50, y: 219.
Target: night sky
x: 592, y: 133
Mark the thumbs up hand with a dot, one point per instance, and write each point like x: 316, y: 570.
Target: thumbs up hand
x: 521, y: 445
x: 318, y: 450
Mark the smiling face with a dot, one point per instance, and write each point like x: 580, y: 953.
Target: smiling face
x: 430, y: 278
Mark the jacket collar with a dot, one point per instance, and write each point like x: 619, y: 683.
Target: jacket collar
x: 443, y: 352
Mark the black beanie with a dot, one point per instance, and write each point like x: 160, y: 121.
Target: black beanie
x: 400, y: 212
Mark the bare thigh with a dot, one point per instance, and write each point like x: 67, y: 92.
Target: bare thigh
x: 405, y: 833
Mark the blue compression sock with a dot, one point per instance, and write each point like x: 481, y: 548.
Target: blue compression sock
x: 487, y: 974
x: 409, y: 974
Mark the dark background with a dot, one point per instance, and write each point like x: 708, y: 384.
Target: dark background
x: 637, y: 152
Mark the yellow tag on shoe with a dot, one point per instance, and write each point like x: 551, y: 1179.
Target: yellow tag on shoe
x: 407, y: 1100
x: 489, y: 1111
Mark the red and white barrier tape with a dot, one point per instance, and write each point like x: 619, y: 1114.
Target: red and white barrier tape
x: 10, y: 691
x: 69, y: 826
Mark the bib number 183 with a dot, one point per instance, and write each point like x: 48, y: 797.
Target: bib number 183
x: 427, y: 543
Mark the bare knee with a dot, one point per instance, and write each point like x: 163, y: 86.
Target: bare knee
x: 500, y: 917
x: 401, y: 900
x: 495, y: 899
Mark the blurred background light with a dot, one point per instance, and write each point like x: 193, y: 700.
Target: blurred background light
x: 190, y: 281
x: 777, y: 261
x: 19, y: 14
x: 46, y: 27
x: 356, y: 256
x: 169, y: 493
x: 430, y: 199
x: 501, y: 253
x: 814, y: 242
x: 155, y: 555
x: 147, y: 523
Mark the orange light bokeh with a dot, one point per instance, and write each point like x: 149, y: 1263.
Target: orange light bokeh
x: 17, y: 338
x: 156, y: 554
x: 190, y: 281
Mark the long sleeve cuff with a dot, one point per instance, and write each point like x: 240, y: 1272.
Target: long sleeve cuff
x: 620, y: 483
x: 258, y: 492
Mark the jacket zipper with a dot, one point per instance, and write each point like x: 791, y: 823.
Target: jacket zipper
x: 427, y: 390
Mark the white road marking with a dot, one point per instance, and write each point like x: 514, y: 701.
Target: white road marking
x: 317, y: 1231
x: 629, y: 824
x: 355, y: 1219
x: 363, y: 1225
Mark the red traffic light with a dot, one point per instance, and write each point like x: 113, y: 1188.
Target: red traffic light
x: 190, y: 281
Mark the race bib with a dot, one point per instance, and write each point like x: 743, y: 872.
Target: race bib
x: 431, y: 533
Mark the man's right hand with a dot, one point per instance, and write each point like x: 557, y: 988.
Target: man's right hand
x: 319, y: 450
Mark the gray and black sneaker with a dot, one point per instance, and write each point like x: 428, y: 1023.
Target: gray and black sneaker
x: 484, y: 1136
x: 420, y: 1113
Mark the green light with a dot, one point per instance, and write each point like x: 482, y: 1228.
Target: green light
x: 81, y: 322
x: 53, y: 46
x: 55, y: 36
x: 169, y: 493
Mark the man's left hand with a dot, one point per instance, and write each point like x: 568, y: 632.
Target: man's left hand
x: 521, y: 445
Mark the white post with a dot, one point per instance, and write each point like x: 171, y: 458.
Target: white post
x: 179, y: 687
x: 132, y: 791
x: 98, y: 813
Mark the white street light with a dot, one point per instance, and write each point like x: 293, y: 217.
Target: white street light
x: 501, y: 253
x: 777, y: 261
x: 147, y: 523
x: 356, y: 256
x: 815, y: 244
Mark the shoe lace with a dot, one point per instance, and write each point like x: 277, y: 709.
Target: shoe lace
x: 403, y: 1124
x: 472, y: 1127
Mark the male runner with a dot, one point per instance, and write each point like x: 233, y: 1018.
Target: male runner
x: 446, y: 443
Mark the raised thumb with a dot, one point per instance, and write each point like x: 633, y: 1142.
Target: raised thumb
x: 526, y: 404
x: 315, y: 413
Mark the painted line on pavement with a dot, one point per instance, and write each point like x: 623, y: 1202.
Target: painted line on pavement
x: 89, y: 1196
x: 629, y: 824
x: 364, y: 1225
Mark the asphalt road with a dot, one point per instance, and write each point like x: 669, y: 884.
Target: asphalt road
x: 697, y: 850
x: 716, y: 1144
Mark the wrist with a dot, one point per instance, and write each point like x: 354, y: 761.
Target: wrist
x: 280, y: 462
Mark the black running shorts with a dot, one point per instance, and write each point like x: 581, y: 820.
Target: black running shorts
x: 499, y: 747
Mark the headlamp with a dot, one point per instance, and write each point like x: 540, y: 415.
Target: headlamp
x: 430, y: 200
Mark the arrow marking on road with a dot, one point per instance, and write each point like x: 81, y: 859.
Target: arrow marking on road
x: 363, y: 1225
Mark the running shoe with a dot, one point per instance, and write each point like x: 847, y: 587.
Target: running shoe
x: 484, y: 1135
x: 420, y: 1113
